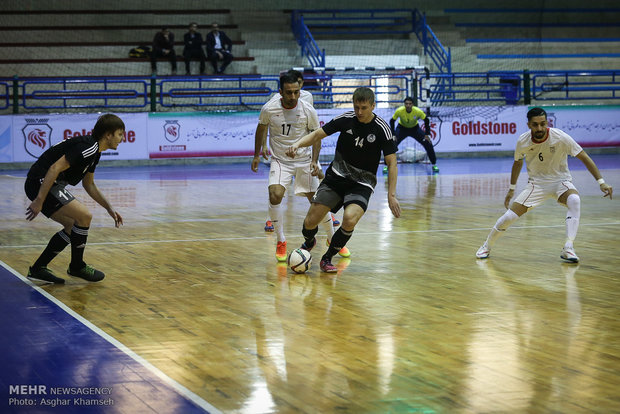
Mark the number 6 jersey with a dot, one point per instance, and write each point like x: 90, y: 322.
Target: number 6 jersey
x: 546, y: 161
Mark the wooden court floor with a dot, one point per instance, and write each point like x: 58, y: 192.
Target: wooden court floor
x: 411, y: 323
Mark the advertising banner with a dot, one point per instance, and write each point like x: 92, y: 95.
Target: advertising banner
x: 6, y: 147
x: 33, y: 134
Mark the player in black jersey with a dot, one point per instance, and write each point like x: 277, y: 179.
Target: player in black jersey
x: 351, y: 177
x: 70, y: 162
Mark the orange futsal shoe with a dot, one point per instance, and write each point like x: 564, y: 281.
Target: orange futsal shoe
x: 344, y: 252
x: 281, y: 251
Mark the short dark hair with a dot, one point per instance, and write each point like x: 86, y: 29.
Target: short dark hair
x: 296, y: 73
x: 287, y: 78
x: 535, y: 112
x: 107, y: 123
x: 409, y: 98
x: 364, y: 94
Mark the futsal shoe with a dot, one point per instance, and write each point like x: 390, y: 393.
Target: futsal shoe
x: 568, y: 254
x: 435, y: 168
x: 309, y: 245
x: 327, y: 266
x: 269, y: 226
x: 335, y: 220
x: 344, y: 252
x: 483, y: 252
x: 385, y: 170
x: 281, y: 251
x: 43, y: 274
x: 87, y: 273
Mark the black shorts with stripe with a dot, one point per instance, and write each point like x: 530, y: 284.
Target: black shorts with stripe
x: 337, y: 192
x: 57, y: 197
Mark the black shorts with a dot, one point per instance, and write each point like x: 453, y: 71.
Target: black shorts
x: 336, y: 192
x: 57, y: 197
x: 401, y: 133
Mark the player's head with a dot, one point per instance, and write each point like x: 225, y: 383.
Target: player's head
x: 536, y: 112
x: 110, y: 130
x: 408, y: 103
x: 289, y: 89
x: 298, y: 75
x: 537, y: 122
x: 364, y: 104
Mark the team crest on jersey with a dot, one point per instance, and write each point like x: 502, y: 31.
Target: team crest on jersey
x: 371, y: 138
x: 37, y: 136
x: 172, y: 130
x: 552, y: 149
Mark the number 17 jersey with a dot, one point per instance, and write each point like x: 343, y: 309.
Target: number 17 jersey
x: 288, y: 125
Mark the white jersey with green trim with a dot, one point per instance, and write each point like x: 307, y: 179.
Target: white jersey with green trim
x: 547, y: 161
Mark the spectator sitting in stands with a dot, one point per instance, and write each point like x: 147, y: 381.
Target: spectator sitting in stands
x: 163, y: 46
x: 193, y: 48
x: 219, y: 47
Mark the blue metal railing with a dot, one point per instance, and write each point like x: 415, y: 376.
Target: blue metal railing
x: 512, y: 87
x: 432, y: 46
x: 361, y: 21
x: 329, y: 89
x: 309, y: 47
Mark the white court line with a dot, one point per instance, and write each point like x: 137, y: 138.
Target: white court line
x: 616, y: 223
x: 166, y: 379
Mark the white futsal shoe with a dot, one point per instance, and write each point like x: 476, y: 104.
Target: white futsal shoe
x: 568, y: 254
x: 483, y: 252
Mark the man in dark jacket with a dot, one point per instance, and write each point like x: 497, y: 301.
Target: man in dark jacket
x: 163, y: 46
x: 219, y: 47
x: 193, y: 48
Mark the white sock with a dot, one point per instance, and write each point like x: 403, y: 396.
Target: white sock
x: 277, y: 216
x: 328, y: 226
x: 501, y: 225
x: 573, y: 202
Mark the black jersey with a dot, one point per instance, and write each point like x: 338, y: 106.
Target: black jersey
x: 82, y: 153
x: 359, y: 147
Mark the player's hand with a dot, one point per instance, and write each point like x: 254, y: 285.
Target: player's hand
x: 33, y: 209
x: 314, y: 169
x: 428, y: 138
x: 292, y: 151
x: 255, y: 162
x: 118, y: 220
x: 508, y: 198
x: 606, y: 188
x: 265, y: 153
x: 394, y: 206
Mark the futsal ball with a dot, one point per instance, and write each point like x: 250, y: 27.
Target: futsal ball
x: 299, y: 260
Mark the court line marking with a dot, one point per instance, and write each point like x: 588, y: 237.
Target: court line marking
x: 356, y: 233
x: 114, y: 342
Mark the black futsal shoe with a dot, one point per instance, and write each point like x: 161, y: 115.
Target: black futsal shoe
x: 87, y: 273
x: 43, y: 274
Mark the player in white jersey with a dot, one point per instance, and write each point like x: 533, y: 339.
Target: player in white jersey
x: 545, y: 151
x: 287, y: 120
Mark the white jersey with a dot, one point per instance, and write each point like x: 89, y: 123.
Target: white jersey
x: 288, y: 125
x: 546, y: 161
x: 303, y: 95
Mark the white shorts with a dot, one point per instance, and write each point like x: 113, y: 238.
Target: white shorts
x: 535, y: 194
x: 282, y: 173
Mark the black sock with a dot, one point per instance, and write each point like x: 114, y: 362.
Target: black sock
x: 78, y: 243
x: 56, y: 245
x: 309, y: 234
x: 339, y: 240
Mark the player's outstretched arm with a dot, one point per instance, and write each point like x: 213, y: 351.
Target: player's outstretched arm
x: 260, y: 145
x: 591, y: 166
x: 391, y: 162
x: 88, y: 182
x: 306, y: 141
x: 514, y: 176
